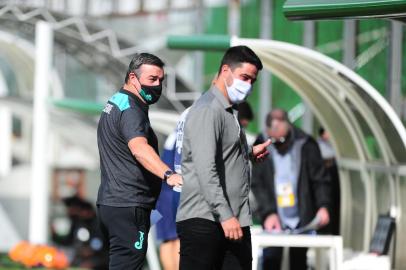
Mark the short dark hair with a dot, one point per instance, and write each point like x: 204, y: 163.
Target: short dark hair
x: 245, y: 111
x: 140, y: 59
x: 237, y: 55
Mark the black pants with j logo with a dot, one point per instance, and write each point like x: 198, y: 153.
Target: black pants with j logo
x: 203, y: 246
x: 126, y: 231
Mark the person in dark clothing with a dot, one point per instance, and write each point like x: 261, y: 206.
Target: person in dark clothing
x: 84, y: 237
x: 328, y: 155
x: 245, y: 114
x: 131, y: 170
x: 291, y: 186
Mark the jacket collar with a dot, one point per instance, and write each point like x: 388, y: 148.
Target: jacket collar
x: 220, y: 97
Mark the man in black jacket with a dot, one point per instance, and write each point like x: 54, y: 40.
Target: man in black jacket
x: 291, y: 187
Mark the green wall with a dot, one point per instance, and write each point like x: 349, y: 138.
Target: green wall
x: 215, y: 23
x: 329, y: 38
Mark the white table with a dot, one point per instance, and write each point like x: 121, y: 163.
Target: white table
x: 260, y: 239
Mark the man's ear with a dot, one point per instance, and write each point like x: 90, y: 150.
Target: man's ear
x: 225, y: 68
x: 134, y: 80
x: 132, y: 76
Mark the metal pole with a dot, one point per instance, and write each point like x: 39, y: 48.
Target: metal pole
x: 349, y: 44
x: 349, y: 54
x: 38, y: 230
x: 395, y: 67
x: 265, y: 99
x: 199, y: 61
x: 5, y: 132
x: 5, y: 141
x: 199, y: 42
x: 234, y: 18
x: 309, y: 42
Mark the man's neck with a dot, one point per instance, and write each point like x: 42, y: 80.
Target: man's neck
x: 132, y: 89
x: 220, y: 84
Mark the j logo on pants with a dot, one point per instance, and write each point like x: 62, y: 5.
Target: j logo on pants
x: 139, y: 243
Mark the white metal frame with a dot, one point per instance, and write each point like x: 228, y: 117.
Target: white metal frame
x: 333, y: 65
x: 262, y: 239
x: 309, y: 72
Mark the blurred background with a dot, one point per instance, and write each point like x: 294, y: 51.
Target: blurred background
x: 343, y: 71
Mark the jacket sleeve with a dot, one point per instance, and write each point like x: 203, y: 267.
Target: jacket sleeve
x: 204, y: 133
x: 319, y: 179
x: 263, y: 190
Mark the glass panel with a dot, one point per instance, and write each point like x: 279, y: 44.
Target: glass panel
x: 382, y: 192
x: 17, y: 127
x: 358, y: 211
x: 386, y: 125
x: 370, y: 140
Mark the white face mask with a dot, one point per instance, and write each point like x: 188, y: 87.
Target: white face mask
x: 238, y: 91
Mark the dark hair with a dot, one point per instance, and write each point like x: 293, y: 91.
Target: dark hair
x: 321, y: 131
x: 237, y: 55
x: 140, y: 59
x: 245, y: 111
x: 269, y: 116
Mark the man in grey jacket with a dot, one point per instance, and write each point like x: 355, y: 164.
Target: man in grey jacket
x: 214, y: 213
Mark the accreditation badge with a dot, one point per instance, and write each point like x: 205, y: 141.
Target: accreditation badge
x: 285, y: 195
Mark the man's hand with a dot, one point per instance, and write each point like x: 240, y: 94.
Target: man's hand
x: 324, y: 216
x: 175, y: 180
x: 232, y: 229
x: 260, y: 151
x: 272, y: 223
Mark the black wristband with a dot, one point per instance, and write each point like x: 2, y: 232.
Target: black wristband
x: 168, y: 174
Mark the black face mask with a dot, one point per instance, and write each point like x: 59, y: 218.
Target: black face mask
x: 278, y: 141
x: 283, y: 144
x: 151, y: 94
